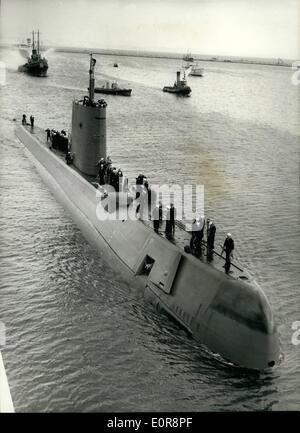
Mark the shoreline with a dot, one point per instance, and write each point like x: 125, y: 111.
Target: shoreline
x: 167, y: 55
x: 177, y: 56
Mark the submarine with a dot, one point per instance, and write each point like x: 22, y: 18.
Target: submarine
x: 228, y: 313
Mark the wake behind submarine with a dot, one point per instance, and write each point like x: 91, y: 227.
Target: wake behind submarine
x: 230, y: 314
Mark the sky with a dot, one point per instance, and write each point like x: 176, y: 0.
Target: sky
x: 253, y: 28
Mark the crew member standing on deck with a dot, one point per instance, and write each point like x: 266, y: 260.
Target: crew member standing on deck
x: 101, y: 161
x: 139, y: 185
x: 114, y: 180
x: 24, y: 121
x: 69, y: 158
x: 197, y: 236
x: 155, y: 218
x: 211, y: 232
x: 170, y: 222
x: 140, y: 179
x: 32, y: 121
x: 228, y: 247
x: 108, y: 170
x: 101, y: 171
x: 48, y: 134
x: 151, y: 196
x: 160, y: 213
x: 120, y: 180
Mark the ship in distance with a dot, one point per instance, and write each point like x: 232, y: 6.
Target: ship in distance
x: 36, y: 64
x: 180, y: 86
x: 24, y: 48
x: 228, y: 313
x: 113, y: 89
x: 194, y: 70
x: 188, y: 57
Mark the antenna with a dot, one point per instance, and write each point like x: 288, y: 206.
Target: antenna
x: 33, y: 40
x: 38, y: 42
x: 92, y: 78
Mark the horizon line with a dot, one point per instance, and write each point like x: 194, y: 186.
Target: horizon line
x: 138, y: 52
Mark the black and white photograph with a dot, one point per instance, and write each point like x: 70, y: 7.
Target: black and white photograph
x: 149, y: 209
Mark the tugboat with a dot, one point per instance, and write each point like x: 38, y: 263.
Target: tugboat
x: 36, y: 64
x: 229, y: 313
x: 113, y: 89
x: 180, y: 86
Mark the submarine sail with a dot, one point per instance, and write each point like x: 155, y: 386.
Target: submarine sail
x: 88, y: 129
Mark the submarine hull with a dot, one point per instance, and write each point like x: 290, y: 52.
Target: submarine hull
x: 229, y: 316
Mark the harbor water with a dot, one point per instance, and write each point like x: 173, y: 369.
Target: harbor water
x: 78, y: 337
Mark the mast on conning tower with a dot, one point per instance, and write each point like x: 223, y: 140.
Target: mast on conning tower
x: 92, y: 79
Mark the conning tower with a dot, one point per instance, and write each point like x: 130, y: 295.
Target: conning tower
x: 88, y: 142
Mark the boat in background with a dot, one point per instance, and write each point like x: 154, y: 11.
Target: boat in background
x: 24, y: 49
x: 188, y: 58
x: 113, y: 89
x: 36, y: 64
x: 180, y: 86
x: 195, y: 70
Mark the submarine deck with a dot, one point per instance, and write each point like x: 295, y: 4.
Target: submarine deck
x: 181, y: 237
